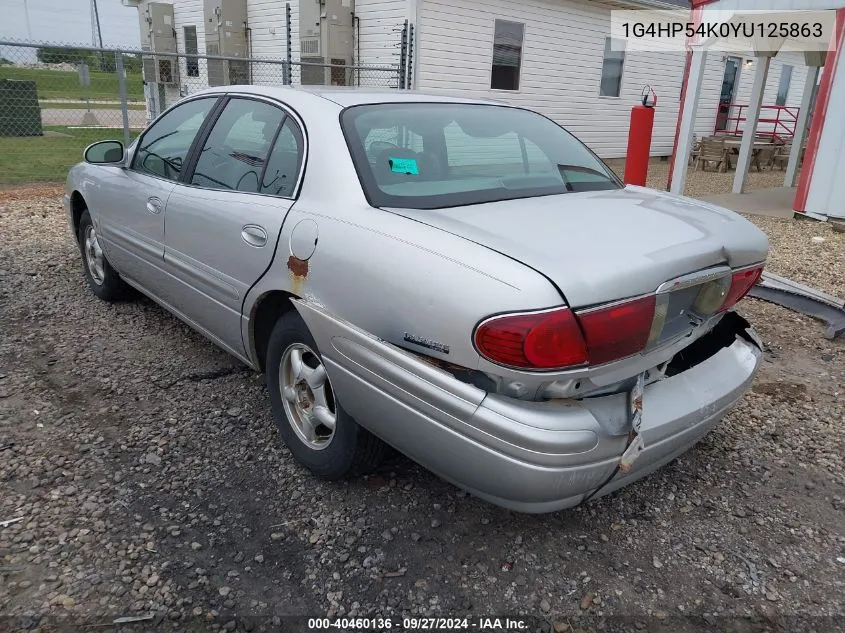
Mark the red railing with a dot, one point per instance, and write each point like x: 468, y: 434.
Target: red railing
x: 780, y: 125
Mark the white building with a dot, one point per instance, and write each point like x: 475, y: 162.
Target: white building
x: 819, y: 190
x: 550, y: 55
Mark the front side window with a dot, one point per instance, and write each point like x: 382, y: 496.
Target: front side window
x: 284, y: 162
x: 437, y: 155
x: 164, y: 147
x: 235, y: 153
x: 611, y: 68
x: 507, y: 55
x: 783, y: 86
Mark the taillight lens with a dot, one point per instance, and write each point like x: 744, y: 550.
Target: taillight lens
x: 560, y: 338
x: 535, y: 340
x: 618, y: 330
x: 554, y: 339
x: 741, y: 283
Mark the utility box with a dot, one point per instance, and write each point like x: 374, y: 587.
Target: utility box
x: 226, y: 35
x: 20, y: 114
x: 326, y: 37
x: 158, y: 35
x: 339, y: 40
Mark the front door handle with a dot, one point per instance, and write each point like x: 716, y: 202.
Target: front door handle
x: 154, y: 205
x: 254, y: 235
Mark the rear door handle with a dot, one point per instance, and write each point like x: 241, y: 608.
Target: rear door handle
x: 154, y: 205
x: 254, y: 235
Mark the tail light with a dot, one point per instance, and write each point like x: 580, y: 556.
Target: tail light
x: 533, y: 340
x: 618, y: 330
x: 560, y: 338
x: 741, y: 283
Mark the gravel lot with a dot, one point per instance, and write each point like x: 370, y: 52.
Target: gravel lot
x: 700, y: 182
x: 150, y: 478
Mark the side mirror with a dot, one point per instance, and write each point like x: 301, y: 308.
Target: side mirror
x: 104, y: 153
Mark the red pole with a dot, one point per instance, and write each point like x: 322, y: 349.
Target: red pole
x: 639, y: 145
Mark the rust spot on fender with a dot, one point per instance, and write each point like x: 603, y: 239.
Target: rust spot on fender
x: 298, y: 274
x: 297, y: 267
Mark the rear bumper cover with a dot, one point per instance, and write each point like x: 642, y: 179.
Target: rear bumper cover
x: 526, y: 456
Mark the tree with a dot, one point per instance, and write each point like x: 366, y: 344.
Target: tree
x: 54, y: 55
x: 105, y: 62
x: 132, y: 63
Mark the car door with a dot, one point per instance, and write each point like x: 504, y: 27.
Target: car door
x: 223, y: 221
x: 132, y: 200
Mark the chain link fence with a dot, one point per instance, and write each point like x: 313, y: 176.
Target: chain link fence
x: 55, y: 99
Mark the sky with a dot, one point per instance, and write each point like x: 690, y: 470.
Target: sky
x: 70, y: 21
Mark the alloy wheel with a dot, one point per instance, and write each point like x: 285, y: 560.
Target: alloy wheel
x: 94, y: 256
x: 307, y: 396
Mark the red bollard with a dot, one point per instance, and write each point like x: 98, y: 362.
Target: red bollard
x: 639, y: 141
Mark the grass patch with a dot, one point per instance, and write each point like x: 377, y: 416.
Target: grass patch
x: 64, y: 84
x: 33, y: 159
x: 81, y: 105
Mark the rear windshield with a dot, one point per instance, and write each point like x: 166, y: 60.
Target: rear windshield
x: 436, y: 155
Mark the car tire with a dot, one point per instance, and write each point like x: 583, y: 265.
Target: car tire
x: 102, y: 279
x: 345, y: 451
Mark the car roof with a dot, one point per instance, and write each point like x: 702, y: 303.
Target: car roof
x: 344, y: 96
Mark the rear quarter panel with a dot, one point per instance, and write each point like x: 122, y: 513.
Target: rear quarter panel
x: 399, y: 279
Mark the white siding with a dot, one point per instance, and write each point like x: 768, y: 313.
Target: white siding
x: 188, y: 13
x: 561, y: 66
x: 380, y: 30
x: 561, y: 69
x: 268, y: 22
x: 266, y: 18
x: 269, y: 28
x: 379, y: 21
x: 561, y: 61
x: 711, y: 88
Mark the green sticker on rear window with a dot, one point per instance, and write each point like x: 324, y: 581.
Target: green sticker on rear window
x: 404, y: 166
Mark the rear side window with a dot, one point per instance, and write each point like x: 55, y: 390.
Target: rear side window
x: 235, y: 153
x: 164, y: 146
x: 438, y: 155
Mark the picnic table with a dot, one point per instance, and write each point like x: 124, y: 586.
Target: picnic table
x: 756, y: 149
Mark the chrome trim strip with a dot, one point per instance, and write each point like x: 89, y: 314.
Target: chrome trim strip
x: 611, y: 304
x: 694, y: 279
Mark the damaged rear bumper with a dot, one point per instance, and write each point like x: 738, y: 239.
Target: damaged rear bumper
x: 526, y: 456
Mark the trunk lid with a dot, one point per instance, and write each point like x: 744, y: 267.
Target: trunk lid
x: 603, y: 246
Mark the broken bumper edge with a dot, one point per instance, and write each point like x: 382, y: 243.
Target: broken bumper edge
x: 531, y: 457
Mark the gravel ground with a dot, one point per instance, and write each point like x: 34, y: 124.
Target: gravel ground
x: 806, y: 251
x: 702, y: 183
x: 150, y: 478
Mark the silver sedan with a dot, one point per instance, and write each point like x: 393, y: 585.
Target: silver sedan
x: 462, y: 280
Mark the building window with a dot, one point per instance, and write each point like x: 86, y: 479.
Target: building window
x: 783, y: 87
x: 507, y: 55
x: 191, y: 60
x: 611, y: 68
